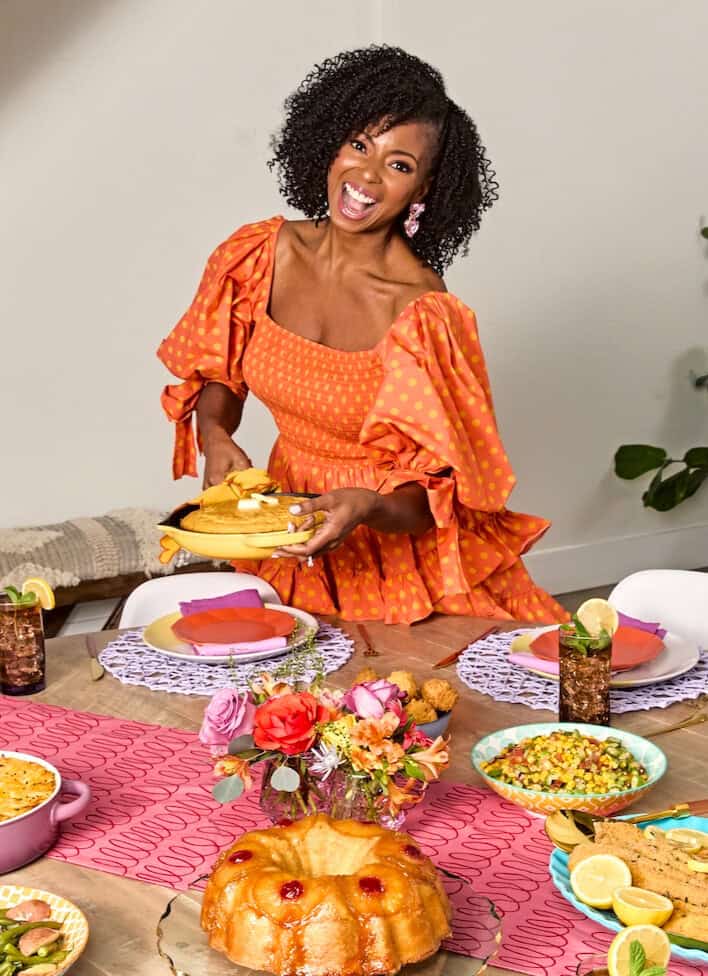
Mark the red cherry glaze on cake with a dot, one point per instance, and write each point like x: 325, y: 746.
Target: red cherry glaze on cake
x: 291, y: 890
x: 412, y: 851
x: 371, y: 886
x: 238, y: 857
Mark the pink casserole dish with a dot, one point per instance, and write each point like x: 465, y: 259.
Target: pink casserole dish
x: 28, y: 836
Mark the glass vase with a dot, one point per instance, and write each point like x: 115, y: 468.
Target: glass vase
x: 342, y: 795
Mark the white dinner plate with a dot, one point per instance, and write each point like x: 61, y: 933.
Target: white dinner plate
x: 160, y: 637
x: 678, y: 657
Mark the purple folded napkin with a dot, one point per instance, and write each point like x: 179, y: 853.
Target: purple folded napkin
x: 241, y: 598
x: 227, y: 650
x: 651, y: 628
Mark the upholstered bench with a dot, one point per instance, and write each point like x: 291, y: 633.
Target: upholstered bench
x: 91, y: 558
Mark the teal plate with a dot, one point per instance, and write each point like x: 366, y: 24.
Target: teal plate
x: 561, y: 878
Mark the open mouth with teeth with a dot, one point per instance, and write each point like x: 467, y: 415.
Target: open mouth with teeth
x: 354, y: 202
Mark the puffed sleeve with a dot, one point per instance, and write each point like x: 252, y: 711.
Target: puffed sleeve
x: 433, y: 423
x: 208, y: 342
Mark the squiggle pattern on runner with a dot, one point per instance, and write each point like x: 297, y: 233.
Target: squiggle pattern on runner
x: 152, y: 817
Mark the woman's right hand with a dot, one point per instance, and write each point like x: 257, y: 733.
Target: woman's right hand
x: 222, y: 455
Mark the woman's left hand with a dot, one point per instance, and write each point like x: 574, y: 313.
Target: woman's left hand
x: 344, y: 509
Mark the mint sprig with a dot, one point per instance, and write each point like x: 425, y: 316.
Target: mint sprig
x: 638, y: 962
x: 20, y: 599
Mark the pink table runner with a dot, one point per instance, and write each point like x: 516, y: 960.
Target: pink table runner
x: 152, y: 817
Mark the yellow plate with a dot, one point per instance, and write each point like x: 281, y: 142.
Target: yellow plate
x: 160, y: 637
x: 255, y: 545
x: 74, y: 924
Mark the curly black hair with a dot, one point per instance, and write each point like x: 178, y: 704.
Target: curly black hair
x: 379, y: 87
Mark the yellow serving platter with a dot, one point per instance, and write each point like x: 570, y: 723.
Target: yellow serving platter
x: 228, y: 545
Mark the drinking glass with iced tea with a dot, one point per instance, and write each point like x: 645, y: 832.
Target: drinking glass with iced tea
x: 585, y: 656
x: 22, y: 657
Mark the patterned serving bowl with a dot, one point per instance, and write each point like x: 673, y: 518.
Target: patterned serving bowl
x: 543, y: 802
x: 74, y: 924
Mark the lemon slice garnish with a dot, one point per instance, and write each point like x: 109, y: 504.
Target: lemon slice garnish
x: 595, y: 879
x: 697, y: 864
x: 689, y: 840
x: 597, y: 615
x: 652, y: 939
x: 42, y: 590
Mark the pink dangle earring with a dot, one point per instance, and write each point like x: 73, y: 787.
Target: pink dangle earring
x: 411, y: 223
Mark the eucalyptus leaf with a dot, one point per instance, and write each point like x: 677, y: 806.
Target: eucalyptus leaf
x: 227, y: 790
x: 286, y: 779
x: 633, y: 460
x: 696, y: 457
x: 239, y: 744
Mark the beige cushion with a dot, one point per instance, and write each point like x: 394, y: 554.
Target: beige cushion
x: 68, y: 553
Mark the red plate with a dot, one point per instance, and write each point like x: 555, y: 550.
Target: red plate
x: 234, y: 625
x: 630, y: 647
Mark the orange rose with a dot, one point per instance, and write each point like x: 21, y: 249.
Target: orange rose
x: 287, y: 724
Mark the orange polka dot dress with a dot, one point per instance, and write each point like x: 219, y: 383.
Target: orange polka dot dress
x: 416, y: 408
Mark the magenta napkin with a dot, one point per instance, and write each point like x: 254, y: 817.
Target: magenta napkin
x: 241, y: 598
x: 531, y: 661
x: 227, y: 650
x: 650, y: 628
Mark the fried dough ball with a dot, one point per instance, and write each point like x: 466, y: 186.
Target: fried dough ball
x: 420, y: 711
x: 405, y: 681
x: 439, y: 693
x: 366, y: 674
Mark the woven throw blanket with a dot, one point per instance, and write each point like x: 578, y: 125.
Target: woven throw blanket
x: 67, y: 553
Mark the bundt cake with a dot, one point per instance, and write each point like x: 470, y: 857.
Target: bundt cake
x: 323, y: 897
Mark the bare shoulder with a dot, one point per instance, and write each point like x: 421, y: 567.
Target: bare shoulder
x: 415, y: 277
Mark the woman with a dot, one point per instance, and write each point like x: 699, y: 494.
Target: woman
x: 342, y: 326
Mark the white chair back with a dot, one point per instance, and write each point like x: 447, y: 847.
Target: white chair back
x: 162, y: 595
x: 677, y: 598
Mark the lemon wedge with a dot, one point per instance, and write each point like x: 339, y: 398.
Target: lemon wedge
x: 522, y: 642
x: 597, y: 615
x: 697, y: 864
x: 689, y: 840
x: 654, y: 941
x: 636, y: 906
x: 596, y: 879
x: 42, y: 590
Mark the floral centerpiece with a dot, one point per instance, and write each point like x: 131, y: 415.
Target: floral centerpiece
x: 353, y: 753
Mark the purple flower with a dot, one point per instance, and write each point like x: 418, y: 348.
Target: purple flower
x: 229, y: 714
x: 372, y: 698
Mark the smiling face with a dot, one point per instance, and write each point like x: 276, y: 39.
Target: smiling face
x: 375, y: 177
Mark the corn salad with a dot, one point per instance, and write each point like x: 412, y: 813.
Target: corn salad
x: 567, y: 762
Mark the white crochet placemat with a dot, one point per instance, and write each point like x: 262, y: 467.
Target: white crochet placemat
x: 132, y: 662
x: 485, y: 667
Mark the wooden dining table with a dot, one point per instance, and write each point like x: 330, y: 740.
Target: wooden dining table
x: 123, y: 913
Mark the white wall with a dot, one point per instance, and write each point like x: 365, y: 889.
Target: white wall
x: 135, y: 138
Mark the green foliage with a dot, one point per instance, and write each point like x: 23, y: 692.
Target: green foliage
x: 665, y: 491
x: 638, y: 962
x: 21, y: 599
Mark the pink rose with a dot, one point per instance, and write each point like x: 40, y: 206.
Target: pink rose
x: 372, y: 698
x: 229, y: 714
